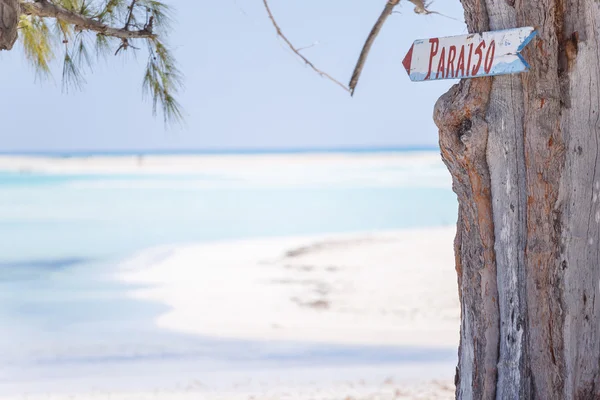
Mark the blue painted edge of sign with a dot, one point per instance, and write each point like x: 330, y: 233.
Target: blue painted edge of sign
x: 526, y: 42
x: 525, y: 63
x: 414, y: 78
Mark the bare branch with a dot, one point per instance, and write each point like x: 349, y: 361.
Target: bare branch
x: 362, y: 59
x: 43, y: 8
x: 291, y: 46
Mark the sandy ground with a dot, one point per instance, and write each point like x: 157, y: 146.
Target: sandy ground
x: 369, y: 382
x: 396, y: 288
x: 393, y: 288
x: 352, y: 391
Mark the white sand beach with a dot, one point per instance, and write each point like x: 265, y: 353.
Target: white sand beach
x: 359, y: 390
x: 395, y: 288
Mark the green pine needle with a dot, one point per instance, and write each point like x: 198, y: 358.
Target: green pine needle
x: 42, y: 38
x: 35, y: 39
x: 162, y: 81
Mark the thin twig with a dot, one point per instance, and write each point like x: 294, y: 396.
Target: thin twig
x: 306, y: 61
x: 130, y: 14
x: 443, y: 15
x: 422, y: 8
x: 362, y: 59
x: 308, y: 47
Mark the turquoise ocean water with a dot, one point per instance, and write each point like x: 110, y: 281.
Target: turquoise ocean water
x: 62, y: 235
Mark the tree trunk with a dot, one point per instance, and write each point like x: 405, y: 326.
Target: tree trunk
x: 523, y: 153
x: 9, y: 21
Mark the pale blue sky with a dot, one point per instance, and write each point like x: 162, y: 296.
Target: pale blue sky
x: 244, y: 88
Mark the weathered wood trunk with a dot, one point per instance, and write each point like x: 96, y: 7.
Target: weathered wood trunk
x: 523, y: 152
x: 9, y: 21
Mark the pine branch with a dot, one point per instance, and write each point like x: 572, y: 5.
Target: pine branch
x: 81, y: 25
x: 43, y: 8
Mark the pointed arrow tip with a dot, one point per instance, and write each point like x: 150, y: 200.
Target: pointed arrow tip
x: 408, y: 59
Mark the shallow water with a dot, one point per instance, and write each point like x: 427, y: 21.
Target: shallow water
x: 61, y: 237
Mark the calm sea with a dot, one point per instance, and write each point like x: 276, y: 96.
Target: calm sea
x: 61, y: 236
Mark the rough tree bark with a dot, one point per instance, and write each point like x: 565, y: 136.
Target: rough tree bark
x: 9, y: 20
x: 43, y: 8
x: 523, y: 153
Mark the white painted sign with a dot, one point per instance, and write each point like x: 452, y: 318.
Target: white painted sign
x: 469, y: 56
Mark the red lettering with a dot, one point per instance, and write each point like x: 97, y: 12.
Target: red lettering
x: 435, y: 44
x: 460, y: 66
x: 479, y: 53
x: 442, y: 64
x: 451, y: 57
x: 469, y: 61
x: 489, y: 57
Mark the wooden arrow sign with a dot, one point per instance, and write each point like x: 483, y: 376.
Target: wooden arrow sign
x: 469, y: 56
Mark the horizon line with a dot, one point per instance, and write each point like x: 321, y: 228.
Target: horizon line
x: 223, y: 151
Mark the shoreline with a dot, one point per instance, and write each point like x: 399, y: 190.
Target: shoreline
x: 386, y: 288
x: 393, y: 288
x: 224, y: 151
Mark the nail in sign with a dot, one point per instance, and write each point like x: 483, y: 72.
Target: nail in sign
x: 469, y: 56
